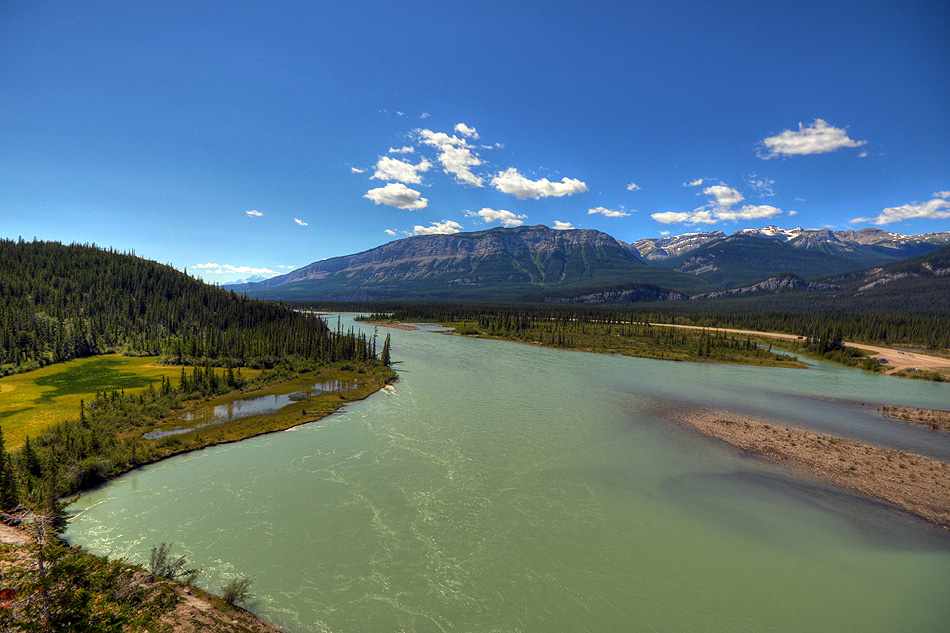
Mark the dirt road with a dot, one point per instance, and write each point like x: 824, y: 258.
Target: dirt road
x: 897, y: 359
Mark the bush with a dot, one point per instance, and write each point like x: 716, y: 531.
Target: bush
x: 161, y: 564
x: 237, y: 591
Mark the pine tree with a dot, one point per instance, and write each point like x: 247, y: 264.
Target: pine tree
x: 384, y: 356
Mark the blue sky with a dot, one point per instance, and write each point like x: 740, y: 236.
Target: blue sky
x: 265, y: 136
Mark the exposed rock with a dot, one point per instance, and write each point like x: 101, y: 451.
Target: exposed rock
x: 772, y: 285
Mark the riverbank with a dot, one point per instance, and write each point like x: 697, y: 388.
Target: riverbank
x: 937, y: 420
x: 119, y: 424
x: 917, y: 484
x: 159, y: 604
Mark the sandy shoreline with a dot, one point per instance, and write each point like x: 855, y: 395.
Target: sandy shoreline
x: 918, y: 484
x: 938, y: 420
x: 391, y: 324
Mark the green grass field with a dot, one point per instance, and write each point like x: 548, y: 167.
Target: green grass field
x: 32, y: 401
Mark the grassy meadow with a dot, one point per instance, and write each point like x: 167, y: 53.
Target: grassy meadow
x: 34, y: 400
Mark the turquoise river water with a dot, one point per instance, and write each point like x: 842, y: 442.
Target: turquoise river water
x: 505, y: 487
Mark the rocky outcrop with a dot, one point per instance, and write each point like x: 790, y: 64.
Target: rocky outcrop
x: 772, y: 285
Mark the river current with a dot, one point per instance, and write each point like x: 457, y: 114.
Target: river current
x: 506, y: 487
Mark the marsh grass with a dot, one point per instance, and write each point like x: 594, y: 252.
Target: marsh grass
x: 34, y: 400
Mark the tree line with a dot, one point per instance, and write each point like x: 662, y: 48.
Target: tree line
x: 918, y: 330
x: 59, y: 302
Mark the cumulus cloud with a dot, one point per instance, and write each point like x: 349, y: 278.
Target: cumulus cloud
x: 209, y: 265
x: 510, y: 181
x: 408, y: 149
x: 817, y: 138
x: 455, y: 155
x: 563, y: 226
x: 633, y: 186
x: 388, y: 168
x: 301, y: 222
x: 254, y: 214
x: 694, y: 183
x: 398, y: 195
x: 664, y: 232
x: 749, y: 212
x: 465, y: 130
x: 389, y: 232
x: 357, y: 170
x: 424, y: 115
x: 936, y: 209
x: 607, y: 212
x: 445, y: 227
x: 725, y: 196
x: 699, y: 216
x: 505, y: 218
x: 721, y: 207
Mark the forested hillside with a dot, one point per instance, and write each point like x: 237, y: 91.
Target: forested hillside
x: 59, y: 302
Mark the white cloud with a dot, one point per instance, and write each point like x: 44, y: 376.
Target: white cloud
x: 725, y: 196
x: 761, y: 185
x: 227, y: 269
x: 749, y: 212
x: 287, y: 267
x: 563, y: 226
x: 699, y: 216
x: 607, y: 212
x: 633, y: 186
x: 863, y: 154
x: 445, y: 227
x: 247, y: 270
x: 357, y: 170
x: 389, y: 232
x: 510, y: 181
x: 408, y: 149
x: 505, y: 218
x: 936, y: 209
x: 791, y: 213
x: 721, y: 207
x: 464, y: 130
x: 694, y: 183
x: 455, y: 155
x: 664, y: 232
x: 254, y: 214
x: 397, y: 195
x: 388, y: 168
x: 398, y: 113
x: 817, y: 138
x: 300, y: 222
x: 424, y: 115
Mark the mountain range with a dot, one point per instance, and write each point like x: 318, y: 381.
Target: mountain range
x: 539, y: 264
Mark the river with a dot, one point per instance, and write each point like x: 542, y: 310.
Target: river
x: 506, y: 487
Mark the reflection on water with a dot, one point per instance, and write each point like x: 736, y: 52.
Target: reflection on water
x: 244, y: 407
x: 504, y: 487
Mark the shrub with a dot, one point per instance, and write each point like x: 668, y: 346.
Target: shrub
x: 237, y: 591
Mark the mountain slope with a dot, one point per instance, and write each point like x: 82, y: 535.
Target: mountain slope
x: 59, y: 302
x: 494, y: 264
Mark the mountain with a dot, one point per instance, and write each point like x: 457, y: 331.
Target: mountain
x: 496, y: 264
x: 867, y: 247
x: 917, y: 281
x: 773, y: 285
x: 750, y: 255
x: 656, y: 248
